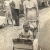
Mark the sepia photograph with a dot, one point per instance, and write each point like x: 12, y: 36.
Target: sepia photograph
x: 24, y: 24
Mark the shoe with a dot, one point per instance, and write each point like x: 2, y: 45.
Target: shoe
x: 16, y: 25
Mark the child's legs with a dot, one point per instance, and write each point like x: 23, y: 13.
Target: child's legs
x: 11, y: 21
x: 6, y: 17
x: 7, y: 22
x: 10, y: 15
x: 35, y: 44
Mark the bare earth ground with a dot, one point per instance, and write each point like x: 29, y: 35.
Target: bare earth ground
x: 11, y: 32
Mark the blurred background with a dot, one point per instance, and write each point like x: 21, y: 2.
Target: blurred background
x: 40, y: 4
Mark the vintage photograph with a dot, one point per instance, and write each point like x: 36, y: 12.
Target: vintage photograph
x: 24, y: 24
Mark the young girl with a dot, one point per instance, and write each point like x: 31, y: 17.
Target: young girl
x: 26, y: 33
x: 8, y: 13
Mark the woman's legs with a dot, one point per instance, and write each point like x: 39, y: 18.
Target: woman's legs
x: 16, y: 17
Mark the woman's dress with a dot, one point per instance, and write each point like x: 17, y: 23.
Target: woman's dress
x: 31, y: 10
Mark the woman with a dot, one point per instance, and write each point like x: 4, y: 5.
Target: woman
x: 31, y: 13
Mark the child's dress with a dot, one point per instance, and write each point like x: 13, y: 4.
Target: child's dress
x: 26, y: 34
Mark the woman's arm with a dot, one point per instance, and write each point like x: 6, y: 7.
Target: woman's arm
x: 36, y: 5
x: 24, y: 6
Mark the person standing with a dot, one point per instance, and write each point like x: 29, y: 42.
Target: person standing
x: 8, y: 13
x: 16, y: 11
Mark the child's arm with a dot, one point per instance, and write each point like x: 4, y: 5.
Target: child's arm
x: 20, y: 35
x: 31, y: 36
